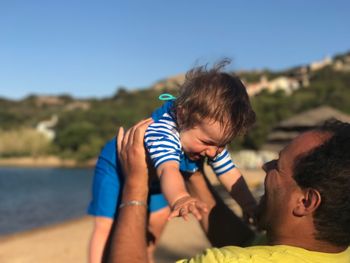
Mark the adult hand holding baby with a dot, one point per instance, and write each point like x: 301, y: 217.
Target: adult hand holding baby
x: 130, y: 148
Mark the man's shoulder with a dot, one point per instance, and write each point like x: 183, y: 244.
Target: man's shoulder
x: 109, y: 150
x: 166, y: 108
x: 280, y: 253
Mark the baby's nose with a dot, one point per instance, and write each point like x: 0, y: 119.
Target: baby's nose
x: 211, y: 152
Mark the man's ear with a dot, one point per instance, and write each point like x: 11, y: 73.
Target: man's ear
x: 308, y: 202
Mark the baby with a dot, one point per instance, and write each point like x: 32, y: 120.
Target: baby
x: 213, y: 107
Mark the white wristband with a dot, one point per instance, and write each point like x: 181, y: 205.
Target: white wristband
x: 133, y: 203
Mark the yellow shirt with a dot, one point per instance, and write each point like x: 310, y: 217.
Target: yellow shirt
x: 262, y: 254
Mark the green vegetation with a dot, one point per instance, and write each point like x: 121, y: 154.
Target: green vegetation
x: 81, y: 132
x: 23, y: 142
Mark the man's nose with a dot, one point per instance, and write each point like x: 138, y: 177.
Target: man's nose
x: 264, y: 167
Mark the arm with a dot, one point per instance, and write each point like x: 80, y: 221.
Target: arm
x: 132, y: 218
x: 238, y: 188
x: 231, y: 178
x: 100, y: 233
x: 164, y: 149
x: 105, y: 192
x: 220, y: 224
x: 171, y: 181
x: 174, y: 189
x: 129, y: 238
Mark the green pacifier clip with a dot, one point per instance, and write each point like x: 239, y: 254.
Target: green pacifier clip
x: 166, y: 96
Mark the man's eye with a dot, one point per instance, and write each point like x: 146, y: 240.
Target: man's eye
x: 273, y: 165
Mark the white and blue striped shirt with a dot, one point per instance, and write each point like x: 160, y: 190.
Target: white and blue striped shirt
x: 162, y: 141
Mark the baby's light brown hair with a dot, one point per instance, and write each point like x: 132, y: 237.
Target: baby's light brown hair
x: 215, y: 95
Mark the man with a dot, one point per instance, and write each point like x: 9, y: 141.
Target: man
x: 305, y: 209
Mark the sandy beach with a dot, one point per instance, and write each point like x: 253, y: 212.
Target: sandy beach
x: 68, y: 242
x: 44, y: 161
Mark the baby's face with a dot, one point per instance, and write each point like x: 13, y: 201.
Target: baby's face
x: 202, y: 140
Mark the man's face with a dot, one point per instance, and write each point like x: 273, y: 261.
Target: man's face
x: 276, y: 206
x: 205, y: 139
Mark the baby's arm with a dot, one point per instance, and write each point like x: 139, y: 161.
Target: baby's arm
x: 238, y: 188
x: 174, y: 189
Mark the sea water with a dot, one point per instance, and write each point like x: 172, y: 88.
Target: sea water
x: 35, y: 197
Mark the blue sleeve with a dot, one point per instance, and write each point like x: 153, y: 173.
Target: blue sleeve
x: 106, y: 183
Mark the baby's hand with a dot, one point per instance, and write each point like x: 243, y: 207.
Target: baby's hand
x: 187, y: 204
x: 249, y: 215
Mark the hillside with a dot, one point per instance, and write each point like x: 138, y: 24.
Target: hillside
x: 83, y: 126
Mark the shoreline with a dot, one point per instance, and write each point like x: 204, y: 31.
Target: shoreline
x: 45, y: 161
x: 68, y: 241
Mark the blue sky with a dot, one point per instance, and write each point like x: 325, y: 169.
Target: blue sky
x: 89, y: 48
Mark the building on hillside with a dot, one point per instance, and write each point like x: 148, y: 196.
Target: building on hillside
x: 317, y: 65
x: 287, y: 130
x: 342, y: 64
x: 288, y: 85
x: 257, y: 87
x: 301, y: 74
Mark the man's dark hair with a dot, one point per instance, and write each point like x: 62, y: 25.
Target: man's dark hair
x: 327, y: 169
x: 216, y: 95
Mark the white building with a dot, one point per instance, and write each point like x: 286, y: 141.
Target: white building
x: 288, y: 85
x: 317, y: 65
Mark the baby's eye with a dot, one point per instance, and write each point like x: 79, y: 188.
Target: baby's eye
x: 205, y: 142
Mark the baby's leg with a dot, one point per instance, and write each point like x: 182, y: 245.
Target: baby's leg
x: 99, y: 237
x: 157, y: 221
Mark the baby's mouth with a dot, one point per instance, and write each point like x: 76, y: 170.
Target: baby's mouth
x: 194, y: 156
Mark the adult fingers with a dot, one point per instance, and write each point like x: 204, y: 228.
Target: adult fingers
x: 120, y: 137
x: 141, y: 129
x: 125, y: 141
x: 135, y: 129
